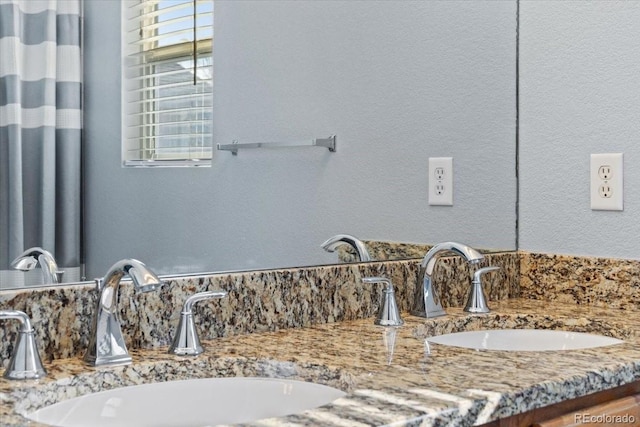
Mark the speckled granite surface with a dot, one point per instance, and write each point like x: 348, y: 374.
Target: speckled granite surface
x: 415, y: 385
x: 307, y: 324
x: 602, y: 282
x: 316, y: 324
x: 384, y: 251
x: 257, y: 302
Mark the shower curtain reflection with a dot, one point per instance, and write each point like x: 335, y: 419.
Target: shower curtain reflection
x: 40, y: 135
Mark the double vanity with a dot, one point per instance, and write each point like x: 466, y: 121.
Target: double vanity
x: 307, y: 337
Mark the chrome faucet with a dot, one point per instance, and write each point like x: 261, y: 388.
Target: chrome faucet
x: 106, y: 343
x: 427, y: 302
x: 25, y: 363
x: 28, y: 261
x: 340, y: 239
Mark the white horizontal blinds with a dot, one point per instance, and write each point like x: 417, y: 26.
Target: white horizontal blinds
x: 168, y: 79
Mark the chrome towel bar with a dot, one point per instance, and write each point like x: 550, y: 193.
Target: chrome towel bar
x: 329, y: 143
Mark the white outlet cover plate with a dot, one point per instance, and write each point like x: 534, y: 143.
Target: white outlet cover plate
x: 444, y: 195
x: 614, y: 183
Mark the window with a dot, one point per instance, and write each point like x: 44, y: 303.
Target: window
x: 167, y: 82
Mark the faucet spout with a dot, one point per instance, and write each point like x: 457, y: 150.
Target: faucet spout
x: 143, y: 279
x: 106, y: 343
x: 427, y: 301
x: 31, y: 257
x: 340, y: 239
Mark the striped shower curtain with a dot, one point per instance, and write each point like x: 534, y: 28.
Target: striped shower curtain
x: 40, y: 135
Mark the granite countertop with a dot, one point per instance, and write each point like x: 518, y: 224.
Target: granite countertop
x: 390, y: 375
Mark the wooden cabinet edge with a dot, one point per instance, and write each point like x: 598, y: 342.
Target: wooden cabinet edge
x: 590, y: 404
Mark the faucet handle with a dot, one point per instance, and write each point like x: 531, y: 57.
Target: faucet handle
x: 59, y: 274
x: 186, y: 341
x: 476, y: 303
x: 478, y: 274
x: 388, y: 315
x: 25, y: 361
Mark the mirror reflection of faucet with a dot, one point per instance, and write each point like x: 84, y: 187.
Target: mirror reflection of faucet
x: 29, y: 259
x: 427, y: 349
x: 332, y: 243
x: 427, y: 302
x: 389, y: 340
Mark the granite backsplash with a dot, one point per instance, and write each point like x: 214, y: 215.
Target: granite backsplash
x: 257, y: 301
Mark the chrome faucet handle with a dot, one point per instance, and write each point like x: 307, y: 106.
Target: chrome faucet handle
x: 388, y: 314
x: 25, y: 361
x: 476, y: 302
x: 186, y: 341
x: 59, y: 274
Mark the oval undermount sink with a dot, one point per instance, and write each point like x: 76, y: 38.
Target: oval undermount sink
x: 189, y: 403
x: 523, y: 340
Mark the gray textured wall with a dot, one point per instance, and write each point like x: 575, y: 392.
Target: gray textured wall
x: 579, y: 88
x: 398, y: 82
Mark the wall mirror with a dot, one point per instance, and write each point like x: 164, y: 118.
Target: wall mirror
x: 396, y: 82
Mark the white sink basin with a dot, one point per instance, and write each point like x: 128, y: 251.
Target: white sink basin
x: 523, y: 340
x: 189, y: 403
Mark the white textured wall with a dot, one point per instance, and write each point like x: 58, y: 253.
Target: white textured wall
x: 397, y: 82
x: 579, y: 94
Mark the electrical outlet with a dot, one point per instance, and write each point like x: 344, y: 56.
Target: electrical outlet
x: 604, y: 172
x: 441, y: 181
x: 605, y: 191
x: 606, y: 176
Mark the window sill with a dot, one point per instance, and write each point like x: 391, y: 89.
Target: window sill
x: 167, y: 163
